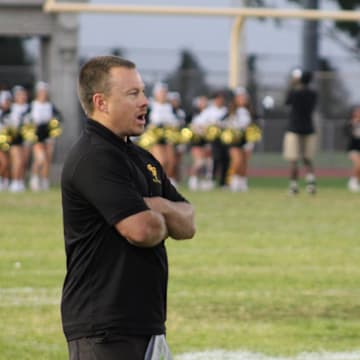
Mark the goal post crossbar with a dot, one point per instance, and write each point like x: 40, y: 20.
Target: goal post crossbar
x: 239, y: 14
x: 309, y: 14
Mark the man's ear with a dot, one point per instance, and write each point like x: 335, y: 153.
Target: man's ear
x: 100, y: 103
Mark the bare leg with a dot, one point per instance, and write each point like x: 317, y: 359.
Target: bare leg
x: 354, y: 181
x: 159, y: 153
x: 310, y: 176
x: 294, y: 175
x: 39, y: 161
x: 17, y: 168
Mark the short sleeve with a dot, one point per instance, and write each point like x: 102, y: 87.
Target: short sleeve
x: 169, y: 191
x: 104, y: 179
x: 289, y: 98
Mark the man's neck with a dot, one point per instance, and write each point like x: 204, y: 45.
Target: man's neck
x: 108, y: 125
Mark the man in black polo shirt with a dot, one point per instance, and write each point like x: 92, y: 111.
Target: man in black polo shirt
x: 118, y: 209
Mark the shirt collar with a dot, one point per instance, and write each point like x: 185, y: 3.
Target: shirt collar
x: 93, y: 126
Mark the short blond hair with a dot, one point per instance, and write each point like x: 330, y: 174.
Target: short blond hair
x: 94, y: 78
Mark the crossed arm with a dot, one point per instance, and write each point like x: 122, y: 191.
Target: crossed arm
x: 165, y: 218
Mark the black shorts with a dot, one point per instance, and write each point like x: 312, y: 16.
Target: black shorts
x: 42, y: 132
x: 114, y: 347
x: 354, y: 145
x: 17, y: 140
x: 239, y: 144
x: 199, y: 143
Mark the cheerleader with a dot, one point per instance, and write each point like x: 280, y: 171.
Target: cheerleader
x: 353, y: 131
x: 201, y: 168
x: 174, y: 99
x: 5, y: 104
x: 161, y: 115
x: 212, y: 117
x: 15, y: 119
x: 241, y: 148
x: 42, y: 111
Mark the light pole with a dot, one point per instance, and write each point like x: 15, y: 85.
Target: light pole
x: 310, y: 45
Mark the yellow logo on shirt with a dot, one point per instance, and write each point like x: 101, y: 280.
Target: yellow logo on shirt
x: 153, y: 171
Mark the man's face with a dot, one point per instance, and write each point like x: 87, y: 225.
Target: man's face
x: 127, y: 103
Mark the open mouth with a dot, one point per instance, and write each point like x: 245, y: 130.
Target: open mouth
x: 141, y: 117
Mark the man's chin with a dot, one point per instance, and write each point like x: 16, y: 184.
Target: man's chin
x: 138, y: 132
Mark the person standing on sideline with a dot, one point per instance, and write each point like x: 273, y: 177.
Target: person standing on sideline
x: 118, y: 208
x: 200, y: 172
x: 16, y: 119
x: 5, y: 105
x: 42, y: 112
x: 162, y: 116
x: 300, y: 139
x: 241, y: 116
x: 212, y: 117
x: 353, y: 132
x: 180, y: 149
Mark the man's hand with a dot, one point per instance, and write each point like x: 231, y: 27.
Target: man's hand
x: 179, y: 216
x: 144, y: 229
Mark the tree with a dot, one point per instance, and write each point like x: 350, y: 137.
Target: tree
x: 14, y: 63
x: 334, y: 97
x: 350, y: 28
x: 188, y: 79
x: 12, y: 51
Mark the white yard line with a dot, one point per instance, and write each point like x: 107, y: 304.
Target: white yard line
x: 28, y: 296
x: 245, y: 355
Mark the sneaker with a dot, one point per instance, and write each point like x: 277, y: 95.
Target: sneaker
x: 310, y: 184
x: 238, y: 184
x: 293, y: 188
x: 293, y: 191
x: 244, y: 187
x: 44, y: 184
x: 16, y: 186
x: 235, y: 183
x: 5, y: 184
x: 34, y: 183
x: 353, y: 185
x: 311, y: 188
x: 193, y: 183
x: 207, y: 185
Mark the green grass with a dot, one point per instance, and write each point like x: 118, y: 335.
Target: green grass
x: 265, y: 272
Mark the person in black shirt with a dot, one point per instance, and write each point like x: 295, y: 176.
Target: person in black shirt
x: 300, y: 137
x: 118, y: 209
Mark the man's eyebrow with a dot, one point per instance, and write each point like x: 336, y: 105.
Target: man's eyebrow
x: 136, y: 88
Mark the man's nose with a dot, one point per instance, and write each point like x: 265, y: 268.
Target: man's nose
x: 145, y: 100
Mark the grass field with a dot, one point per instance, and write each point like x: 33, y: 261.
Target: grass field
x: 265, y: 273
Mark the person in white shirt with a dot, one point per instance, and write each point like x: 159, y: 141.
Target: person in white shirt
x: 42, y: 112
x: 213, y: 116
x: 162, y: 116
x: 240, y: 150
x: 174, y: 98
x: 5, y: 104
x: 201, y: 168
x: 16, y: 119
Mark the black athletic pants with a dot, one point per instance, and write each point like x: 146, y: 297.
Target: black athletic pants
x: 220, y: 153
x: 109, y: 348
